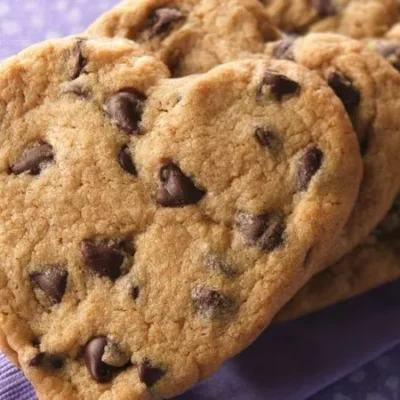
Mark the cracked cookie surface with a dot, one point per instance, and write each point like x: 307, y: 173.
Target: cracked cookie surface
x: 152, y: 227
x: 354, y: 18
x: 190, y: 36
x: 368, y: 87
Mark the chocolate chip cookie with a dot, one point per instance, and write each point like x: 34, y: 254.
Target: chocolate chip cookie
x: 152, y: 227
x: 388, y: 49
x: 368, y: 87
x: 355, y: 18
x: 374, y: 263
x: 190, y: 36
x: 394, y: 32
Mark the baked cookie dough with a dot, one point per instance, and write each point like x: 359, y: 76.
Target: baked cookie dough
x: 372, y: 264
x: 152, y: 227
x: 368, y: 87
x: 355, y: 18
x: 190, y: 36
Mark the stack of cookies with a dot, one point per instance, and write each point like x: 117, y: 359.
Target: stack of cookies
x: 172, y: 177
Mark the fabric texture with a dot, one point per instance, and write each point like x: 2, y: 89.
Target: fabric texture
x: 347, y: 352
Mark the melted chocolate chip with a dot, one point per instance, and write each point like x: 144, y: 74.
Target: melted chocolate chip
x: 125, y: 109
x: 278, y: 85
x: 267, y: 138
x: 389, y: 49
x: 33, y: 159
x: 324, y: 8
x: 345, y: 90
x: 162, y: 19
x: 52, y: 282
x: 177, y: 189
x: 216, y: 264
x: 78, y: 60
x: 148, y: 374
x: 126, y: 162
x: 94, y: 351
x: 264, y: 231
x: 284, y: 50
x: 307, y: 167
x: 211, y: 304
x: 104, y: 257
x: 128, y: 247
x: 37, y: 360
x: 47, y: 361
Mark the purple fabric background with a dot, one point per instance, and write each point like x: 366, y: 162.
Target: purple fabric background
x: 347, y: 352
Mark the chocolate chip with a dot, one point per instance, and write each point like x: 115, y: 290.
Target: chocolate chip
x: 148, y: 374
x: 284, y: 50
x: 211, y: 304
x: 267, y: 138
x: 125, y: 161
x: 278, y: 85
x: 307, y: 167
x: 52, y: 282
x: 47, y: 361
x: 324, y: 8
x: 33, y: 159
x: 162, y: 19
x: 37, y: 360
x: 104, y: 359
x: 345, y: 90
x: 134, y: 292
x: 264, y: 231
x: 94, y: 351
x: 78, y: 60
x: 252, y: 227
x: 128, y: 247
x: 177, y: 189
x: 125, y: 109
x: 105, y: 257
x: 216, y: 264
x: 389, y: 49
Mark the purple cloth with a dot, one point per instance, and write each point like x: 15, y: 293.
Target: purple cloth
x: 295, y: 361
